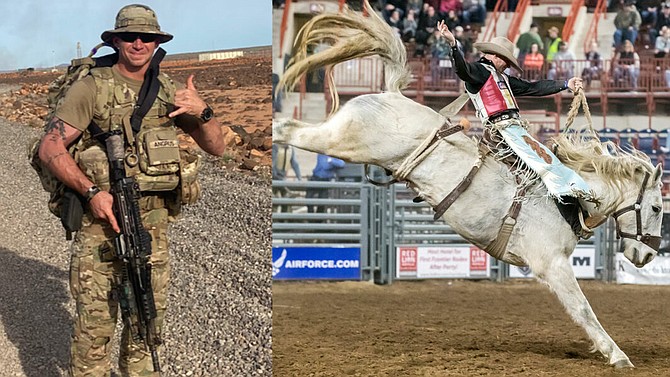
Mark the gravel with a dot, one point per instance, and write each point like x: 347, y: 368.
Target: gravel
x: 219, y: 319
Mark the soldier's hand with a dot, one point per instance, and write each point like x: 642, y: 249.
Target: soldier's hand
x: 188, y: 101
x: 101, y: 208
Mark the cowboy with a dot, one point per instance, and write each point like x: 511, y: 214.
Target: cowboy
x: 107, y: 97
x: 492, y: 94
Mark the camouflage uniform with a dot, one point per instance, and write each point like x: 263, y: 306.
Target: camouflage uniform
x: 95, y: 270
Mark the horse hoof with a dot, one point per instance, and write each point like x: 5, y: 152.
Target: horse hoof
x: 623, y: 363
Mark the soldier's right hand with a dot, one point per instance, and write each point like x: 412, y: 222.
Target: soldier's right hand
x: 101, y: 208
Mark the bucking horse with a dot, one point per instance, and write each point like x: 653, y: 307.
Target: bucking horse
x: 422, y: 148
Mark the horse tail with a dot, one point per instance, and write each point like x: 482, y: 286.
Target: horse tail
x: 350, y: 35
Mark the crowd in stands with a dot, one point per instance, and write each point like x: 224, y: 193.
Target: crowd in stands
x: 415, y: 21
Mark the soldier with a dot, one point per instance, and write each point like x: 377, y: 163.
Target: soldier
x: 107, y: 98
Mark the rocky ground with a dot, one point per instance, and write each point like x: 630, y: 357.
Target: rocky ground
x: 219, y: 321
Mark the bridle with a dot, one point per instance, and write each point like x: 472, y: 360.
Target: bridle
x: 652, y: 241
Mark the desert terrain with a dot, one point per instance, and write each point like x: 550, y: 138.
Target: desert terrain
x: 219, y: 319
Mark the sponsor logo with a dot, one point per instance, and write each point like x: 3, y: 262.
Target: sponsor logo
x: 408, y: 256
x: 525, y: 270
x: 478, y: 259
x: 581, y: 261
x: 277, y: 264
x: 315, y: 263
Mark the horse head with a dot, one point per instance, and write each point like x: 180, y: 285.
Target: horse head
x: 638, y: 220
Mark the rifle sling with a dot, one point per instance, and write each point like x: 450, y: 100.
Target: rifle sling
x: 145, y: 99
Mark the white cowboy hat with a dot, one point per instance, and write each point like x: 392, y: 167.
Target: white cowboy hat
x: 502, y: 48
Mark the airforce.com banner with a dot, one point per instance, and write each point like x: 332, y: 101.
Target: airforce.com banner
x: 306, y: 263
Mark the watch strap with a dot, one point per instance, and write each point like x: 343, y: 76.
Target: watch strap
x: 91, y: 192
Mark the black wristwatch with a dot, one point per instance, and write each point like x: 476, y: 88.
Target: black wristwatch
x: 207, y: 114
x: 91, y: 192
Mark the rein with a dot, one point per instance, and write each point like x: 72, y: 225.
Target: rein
x: 652, y: 241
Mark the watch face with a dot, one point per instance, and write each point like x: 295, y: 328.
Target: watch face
x: 207, y: 114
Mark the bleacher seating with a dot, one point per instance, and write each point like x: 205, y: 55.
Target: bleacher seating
x: 628, y: 139
x: 609, y: 134
x: 647, y: 141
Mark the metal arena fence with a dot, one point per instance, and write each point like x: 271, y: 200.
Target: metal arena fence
x: 388, y: 228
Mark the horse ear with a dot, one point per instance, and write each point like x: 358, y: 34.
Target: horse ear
x: 658, y: 172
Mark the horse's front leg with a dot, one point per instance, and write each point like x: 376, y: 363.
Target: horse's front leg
x: 559, y: 276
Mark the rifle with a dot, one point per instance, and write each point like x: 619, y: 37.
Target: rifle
x: 133, y: 247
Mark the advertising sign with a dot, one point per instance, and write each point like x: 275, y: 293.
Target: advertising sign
x: 441, y: 261
x: 657, y: 272
x: 583, y: 265
x: 332, y: 263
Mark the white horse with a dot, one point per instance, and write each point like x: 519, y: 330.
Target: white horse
x: 384, y: 129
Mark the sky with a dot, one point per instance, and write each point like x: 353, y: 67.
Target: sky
x: 44, y: 33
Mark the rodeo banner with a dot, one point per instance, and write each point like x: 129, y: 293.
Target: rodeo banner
x: 441, y: 261
x: 656, y: 272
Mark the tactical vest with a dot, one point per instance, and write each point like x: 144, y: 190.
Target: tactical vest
x: 494, y: 97
x: 153, y: 156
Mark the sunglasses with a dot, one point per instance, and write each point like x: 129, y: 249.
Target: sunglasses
x: 132, y: 37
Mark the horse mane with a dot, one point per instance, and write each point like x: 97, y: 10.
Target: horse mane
x: 350, y: 35
x: 605, y: 159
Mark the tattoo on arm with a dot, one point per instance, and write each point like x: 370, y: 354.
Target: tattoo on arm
x: 54, y: 157
x: 56, y: 124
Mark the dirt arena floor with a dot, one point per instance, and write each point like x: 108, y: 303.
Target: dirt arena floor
x: 461, y: 328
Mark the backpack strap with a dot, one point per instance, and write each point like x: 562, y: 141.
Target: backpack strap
x: 145, y: 99
x: 148, y: 91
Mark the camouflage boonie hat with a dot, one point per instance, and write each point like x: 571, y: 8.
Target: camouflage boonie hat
x: 136, y: 18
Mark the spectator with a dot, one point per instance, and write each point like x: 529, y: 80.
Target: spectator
x: 452, y: 19
x: 464, y: 40
x: 276, y: 97
x: 563, y: 66
x: 394, y: 22
x: 595, y: 64
x: 533, y: 62
x: 663, y: 17
x: 427, y: 24
x: 551, y: 44
x: 440, y: 52
x: 409, y: 26
x: 473, y: 11
x: 627, y: 65
x: 414, y: 5
x: 394, y: 5
x: 661, y: 50
x: 526, y: 40
x: 448, y: 5
x: 648, y: 10
x: 627, y: 23
x: 325, y: 170
x: 662, y: 44
x: 283, y: 158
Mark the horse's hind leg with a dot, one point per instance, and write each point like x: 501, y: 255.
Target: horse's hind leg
x: 559, y: 276
x: 326, y: 138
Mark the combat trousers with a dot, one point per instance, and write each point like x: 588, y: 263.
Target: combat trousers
x: 93, y: 272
